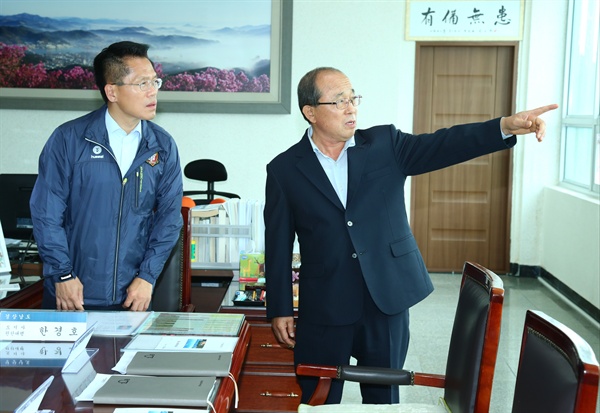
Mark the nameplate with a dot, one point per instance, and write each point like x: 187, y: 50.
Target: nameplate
x: 19, y: 325
x: 34, y: 354
x: 32, y: 403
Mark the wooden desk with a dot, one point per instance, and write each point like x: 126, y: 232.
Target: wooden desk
x: 28, y: 297
x: 268, y: 380
x: 17, y: 384
x: 27, y: 268
x: 30, y: 294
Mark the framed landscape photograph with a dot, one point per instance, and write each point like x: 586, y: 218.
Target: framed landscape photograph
x: 213, y: 56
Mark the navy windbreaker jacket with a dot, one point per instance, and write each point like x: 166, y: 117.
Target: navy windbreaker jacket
x: 91, y: 222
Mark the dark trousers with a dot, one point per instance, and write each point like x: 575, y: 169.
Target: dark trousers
x: 376, y: 339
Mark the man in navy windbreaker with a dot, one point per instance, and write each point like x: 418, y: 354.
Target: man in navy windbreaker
x: 106, y: 206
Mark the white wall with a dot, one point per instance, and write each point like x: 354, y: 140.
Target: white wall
x: 365, y: 39
x: 540, y: 79
x: 570, y: 241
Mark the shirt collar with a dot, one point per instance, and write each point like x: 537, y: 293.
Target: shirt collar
x: 349, y: 143
x: 113, y: 127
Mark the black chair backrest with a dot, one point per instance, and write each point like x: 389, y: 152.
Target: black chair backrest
x: 170, y: 290
x: 209, y: 171
x: 552, y: 369
x: 474, y: 340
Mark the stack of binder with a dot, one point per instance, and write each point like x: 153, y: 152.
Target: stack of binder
x: 176, y: 359
x: 159, y: 378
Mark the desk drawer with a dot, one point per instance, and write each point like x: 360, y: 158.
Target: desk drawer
x: 268, y: 393
x: 264, y: 348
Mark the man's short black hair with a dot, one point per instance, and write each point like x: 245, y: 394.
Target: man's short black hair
x: 110, y: 66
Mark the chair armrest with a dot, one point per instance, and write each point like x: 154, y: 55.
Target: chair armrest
x: 429, y: 380
x: 325, y: 375
x: 317, y: 370
x: 361, y: 374
x: 376, y: 375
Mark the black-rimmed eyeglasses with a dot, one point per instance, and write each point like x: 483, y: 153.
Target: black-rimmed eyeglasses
x: 343, y: 103
x: 144, y: 86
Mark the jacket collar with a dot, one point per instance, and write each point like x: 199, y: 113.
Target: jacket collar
x: 309, y: 166
x: 96, y: 131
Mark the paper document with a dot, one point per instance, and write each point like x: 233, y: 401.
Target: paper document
x: 209, y: 344
x: 209, y: 324
x: 116, y: 323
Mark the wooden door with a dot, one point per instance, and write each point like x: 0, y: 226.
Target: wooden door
x: 463, y: 212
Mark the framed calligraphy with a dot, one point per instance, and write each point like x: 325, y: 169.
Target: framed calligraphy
x: 466, y: 20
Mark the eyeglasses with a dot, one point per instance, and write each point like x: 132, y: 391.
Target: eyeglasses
x: 144, y: 86
x: 343, y: 103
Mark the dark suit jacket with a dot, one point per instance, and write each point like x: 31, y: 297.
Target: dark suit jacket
x: 371, y: 237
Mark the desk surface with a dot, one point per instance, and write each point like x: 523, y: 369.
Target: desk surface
x: 28, y: 297
x: 16, y: 384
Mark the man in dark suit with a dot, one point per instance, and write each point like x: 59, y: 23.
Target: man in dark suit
x: 340, y: 190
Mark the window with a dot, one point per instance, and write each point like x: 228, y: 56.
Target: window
x: 580, y: 166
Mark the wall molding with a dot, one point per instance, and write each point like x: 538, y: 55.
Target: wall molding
x: 536, y: 271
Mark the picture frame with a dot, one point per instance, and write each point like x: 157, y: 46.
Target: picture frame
x: 464, y: 20
x: 276, y: 101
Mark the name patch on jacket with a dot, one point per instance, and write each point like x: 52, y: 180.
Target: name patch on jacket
x: 153, y: 160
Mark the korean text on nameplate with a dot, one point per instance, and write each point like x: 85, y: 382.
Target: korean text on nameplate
x: 20, y: 325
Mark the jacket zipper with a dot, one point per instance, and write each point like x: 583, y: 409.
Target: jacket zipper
x: 139, y: 180
x: 123, y: 182
x: 118, y: 239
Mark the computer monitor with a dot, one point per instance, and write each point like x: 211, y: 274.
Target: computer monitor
x: 15, y: 191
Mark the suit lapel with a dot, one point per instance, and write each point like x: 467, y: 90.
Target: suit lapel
x: 309, y: 166
x: 357, y: 156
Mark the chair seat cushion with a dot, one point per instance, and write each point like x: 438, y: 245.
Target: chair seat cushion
x: 374, y: 408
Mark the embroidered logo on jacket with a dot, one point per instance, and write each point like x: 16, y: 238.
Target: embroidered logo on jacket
x: 97, y: 151
x: 153, y: 160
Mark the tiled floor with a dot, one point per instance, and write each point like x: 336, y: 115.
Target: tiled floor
x: 431, y: 324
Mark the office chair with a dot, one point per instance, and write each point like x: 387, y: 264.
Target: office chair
x: 558, y: 370
x: 471, y: 360
x: 209, y: 171
x: 173, y: 289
